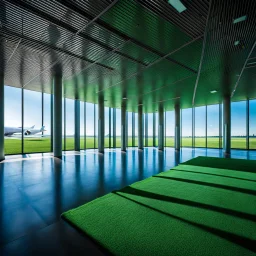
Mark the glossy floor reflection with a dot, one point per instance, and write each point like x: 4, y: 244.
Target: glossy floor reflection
x: 36, y: 189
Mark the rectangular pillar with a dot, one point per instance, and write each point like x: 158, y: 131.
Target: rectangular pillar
x: 57, y: 116
x: 2, y: 156
x: 77, y: 125
x: 160, y: 128
x: 177, y: 127
x: 101, y: 124
x: 123, y: 127
x: 226, y: 125
x: 140, y: 127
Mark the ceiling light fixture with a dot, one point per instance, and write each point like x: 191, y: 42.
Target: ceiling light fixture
x: 213, y: 91
x: 240, y: 19
x: 124, y: 98
x: 178, y: 5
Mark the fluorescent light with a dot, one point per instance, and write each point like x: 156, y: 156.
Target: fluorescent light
x: 240, y: 19
x: 178, y: 5
x: 213, y: 91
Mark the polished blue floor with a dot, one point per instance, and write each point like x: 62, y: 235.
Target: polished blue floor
x: 35, y: 189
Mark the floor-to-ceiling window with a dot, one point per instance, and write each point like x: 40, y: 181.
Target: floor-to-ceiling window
x: 33, y: 141
x: 186, y: 120
x: 150, y: 129
x: 129, y: 127
x: 89, y: 125
x: 213, y: 129
x: 238, y: 124
x: 145, y: 131
x: 200, y: 126
x: 252, y: 124
x: 70, y: 124
x: 135, y: 129
x: 156, y: 128
x: 47, y: 125
x: 12, y: 120
x: 169, y: 128
x: 96, y: 120
x: 118, y: 128
x: 82, y: 125
x: 106, y: 123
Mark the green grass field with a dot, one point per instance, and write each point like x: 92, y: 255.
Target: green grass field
x: 13, y: 145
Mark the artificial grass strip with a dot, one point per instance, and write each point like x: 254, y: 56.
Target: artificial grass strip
x: 224, y: 163
x: 174, y: 213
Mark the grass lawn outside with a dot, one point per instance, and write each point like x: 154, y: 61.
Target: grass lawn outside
x: 43, y: 144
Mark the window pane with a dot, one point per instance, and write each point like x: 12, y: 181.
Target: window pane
x: 89, y: 125
x: 118, y: 128
x: 129, y: 125
x: 252, y: 124
x: 70, y: 124
x: 238, y: 124
x: 186, y: 119
x: 12, y: 120
x: 136, y: 129
x: 213, y: 126
x: 150, y: 129
x: 63, y: 123
x: 170, y: 124
x: 96, y: 125
x: 145, y: 131
x: 156, y: 125
x: 47, y: 122
x: 106, y: 116
x: 200, y: 129
x: 33, y: 141
x: 82, y: 144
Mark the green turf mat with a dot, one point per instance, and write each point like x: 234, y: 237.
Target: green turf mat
x: 224, y: 163
x: 174, y: 213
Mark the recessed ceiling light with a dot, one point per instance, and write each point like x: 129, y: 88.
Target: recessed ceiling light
x: 213, y: 91
x: 240, y: 19
x: 124, y: 98
x: 236, y: 42
x: 178, y: 5
x: 140, y: 104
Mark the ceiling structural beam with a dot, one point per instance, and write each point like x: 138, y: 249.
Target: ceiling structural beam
x: 30, y: 42
x: 69, y: 28
x: 153, y: 63
x: 242, y: 71
x: 74, y: 35
x: 72, y: 6
x: 202, y: 54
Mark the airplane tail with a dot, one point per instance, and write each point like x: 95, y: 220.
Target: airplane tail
x: 42, y: 129
x: 32, y: 127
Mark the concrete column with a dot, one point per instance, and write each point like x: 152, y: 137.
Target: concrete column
x: 1, y: 116
x: 140, y: 127
x: 177, y: 127
x: 123, y: 128
x: 226, y: 124
x: 101, y: 124
x: 77, y: 125
x: 160, y: 128
x: 57, y: 116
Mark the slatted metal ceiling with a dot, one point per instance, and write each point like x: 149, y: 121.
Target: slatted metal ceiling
x: 124, y: 53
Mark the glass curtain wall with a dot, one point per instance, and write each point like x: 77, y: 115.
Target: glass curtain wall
x: 135, y: 129
x: 186, y: 130
x: 70, y: 124
x: 89, y: 125
x: 82, y: 125
x: 107, y: 131
x: 238, y: 124
x: 129, y: 128
x: 145, y: 127
x: 200, y: 127
x: 150, y: 129
x: 118, y: 128
x: 12, y: 120
x: 156, y: 129
x: 47, y: 123
x: 252, y: 124
x: 169, y: 128
x: 213, y: 129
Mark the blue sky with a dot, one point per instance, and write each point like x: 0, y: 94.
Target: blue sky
x: 32, y: 110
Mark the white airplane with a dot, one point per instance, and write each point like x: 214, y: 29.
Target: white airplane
x: 9, y: 131
x: 34, y: 131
